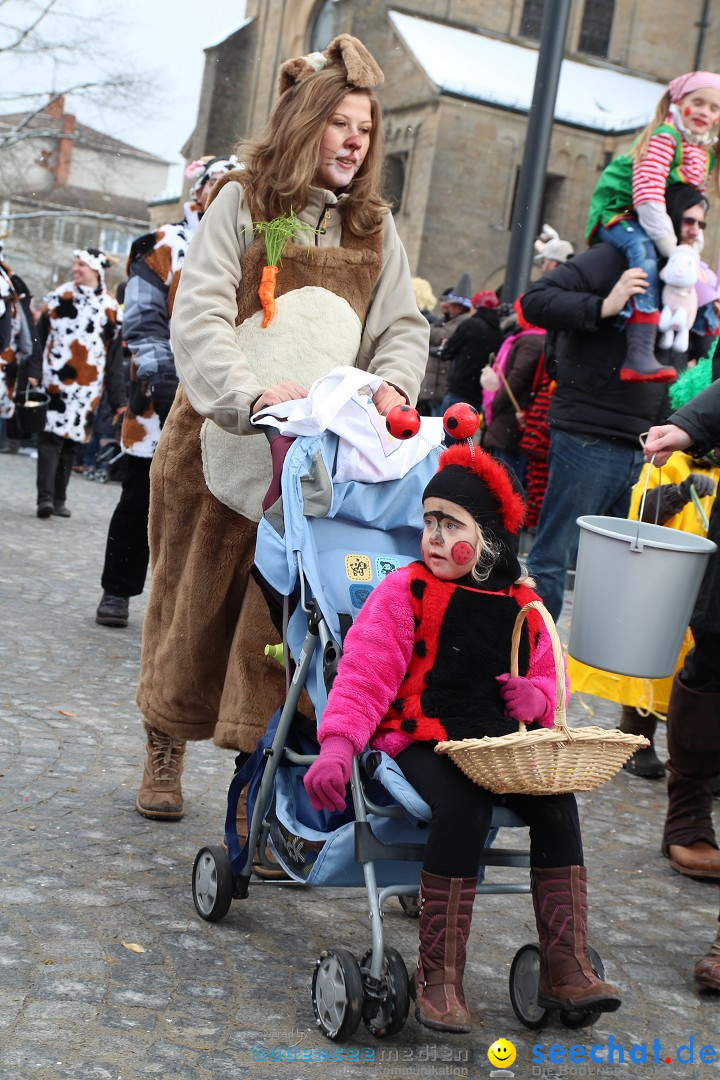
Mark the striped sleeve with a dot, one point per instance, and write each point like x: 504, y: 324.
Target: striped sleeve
x: 651, y: 174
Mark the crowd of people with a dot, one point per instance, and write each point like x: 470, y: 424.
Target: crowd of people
x: 567, y: 379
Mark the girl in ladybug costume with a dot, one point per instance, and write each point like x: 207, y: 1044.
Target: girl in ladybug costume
x: 425, y: 661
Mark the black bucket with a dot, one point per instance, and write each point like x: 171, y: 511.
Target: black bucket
x: 31, y: 412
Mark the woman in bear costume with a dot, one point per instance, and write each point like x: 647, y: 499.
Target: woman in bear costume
x: 343, y: 297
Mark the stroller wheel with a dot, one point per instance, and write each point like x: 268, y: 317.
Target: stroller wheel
x: 337, y: 994
x: 393, y: 1010
x: 524, y: 980
x: 212, y: 883
x: 100, y: 476
x: 410, y: 905
x: 580, y: 1018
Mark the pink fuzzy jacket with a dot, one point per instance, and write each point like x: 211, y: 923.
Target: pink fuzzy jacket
x: 377, y: 654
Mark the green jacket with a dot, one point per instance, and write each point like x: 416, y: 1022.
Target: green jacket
x: 612, y: 198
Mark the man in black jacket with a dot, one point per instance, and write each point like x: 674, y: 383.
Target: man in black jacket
x: 595, y: 418
x: 693, y: 730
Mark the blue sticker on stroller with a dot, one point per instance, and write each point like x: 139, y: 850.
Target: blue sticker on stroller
x: 359, y: 594
x: 385, y: 564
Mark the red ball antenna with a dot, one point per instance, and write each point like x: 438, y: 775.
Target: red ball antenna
x: 461, y: 421
x: 403, y: 422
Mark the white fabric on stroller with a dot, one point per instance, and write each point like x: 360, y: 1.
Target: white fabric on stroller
x: 341, y: 402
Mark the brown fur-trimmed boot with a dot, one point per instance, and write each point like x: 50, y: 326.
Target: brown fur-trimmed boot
x: 446, y: 906
x: 567, y: 981
x: 707, y: 970
x: 160, y: 794
x: 693, y: 740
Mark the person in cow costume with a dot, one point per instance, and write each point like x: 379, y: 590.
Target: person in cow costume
x: 153, y: 269
x: 76, y: 328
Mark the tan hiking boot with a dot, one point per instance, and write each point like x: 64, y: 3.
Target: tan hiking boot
x: 160, y: 794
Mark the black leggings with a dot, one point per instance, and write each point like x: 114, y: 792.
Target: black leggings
x: 126, y: 551
x: 462, y: 812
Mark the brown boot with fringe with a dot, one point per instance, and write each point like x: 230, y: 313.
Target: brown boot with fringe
x: 446, y: 906
x: 567, y: 981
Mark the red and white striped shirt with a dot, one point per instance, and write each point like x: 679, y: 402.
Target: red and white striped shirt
x: 650, y: 177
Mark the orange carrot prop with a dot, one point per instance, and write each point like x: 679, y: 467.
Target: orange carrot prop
x: 276, y: 232
x: 266, y: 292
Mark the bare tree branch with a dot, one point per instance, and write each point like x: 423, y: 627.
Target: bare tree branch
x: 25, y: 33
x: 127, y: 87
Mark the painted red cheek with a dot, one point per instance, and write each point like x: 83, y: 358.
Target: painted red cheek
x: 687, y: 110
x: 462, y: 552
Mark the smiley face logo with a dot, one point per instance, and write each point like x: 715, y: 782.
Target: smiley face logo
x: 502, y: 1054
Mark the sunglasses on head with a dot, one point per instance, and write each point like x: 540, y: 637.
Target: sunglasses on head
x: 692, y: 221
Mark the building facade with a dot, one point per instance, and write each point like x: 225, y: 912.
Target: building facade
x: 459, y: 76
x: 66, y: 185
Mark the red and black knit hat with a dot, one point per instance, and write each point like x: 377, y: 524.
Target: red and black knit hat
x: 489, y: 492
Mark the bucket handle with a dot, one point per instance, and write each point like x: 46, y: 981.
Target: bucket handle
x: 637, y: 544
x: 34, y: 390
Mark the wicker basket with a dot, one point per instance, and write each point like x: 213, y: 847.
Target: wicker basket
x: 550, y: 761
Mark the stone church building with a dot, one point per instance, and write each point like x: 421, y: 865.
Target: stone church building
x: 459, y: 78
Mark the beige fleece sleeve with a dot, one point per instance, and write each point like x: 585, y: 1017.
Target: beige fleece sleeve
x: 396, y: 337
x: 214, y: 371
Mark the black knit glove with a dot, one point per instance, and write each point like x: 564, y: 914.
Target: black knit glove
x: 703, y: 484
x: 138, y: 396
x: 163, y: 395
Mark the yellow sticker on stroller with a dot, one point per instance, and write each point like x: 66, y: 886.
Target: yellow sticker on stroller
x: 358, y: 568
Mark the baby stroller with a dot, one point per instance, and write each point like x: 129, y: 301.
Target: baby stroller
x: 108, y: 464
x: 321, y: 548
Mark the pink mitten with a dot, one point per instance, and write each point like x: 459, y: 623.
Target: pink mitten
x: 326, y: 779
x: 522, y: 699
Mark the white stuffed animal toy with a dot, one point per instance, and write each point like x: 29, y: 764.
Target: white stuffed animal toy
x: 679, y: 298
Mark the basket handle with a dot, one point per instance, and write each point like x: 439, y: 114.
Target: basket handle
x: 559, y: 718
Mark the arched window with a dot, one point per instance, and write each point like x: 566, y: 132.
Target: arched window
x: 531, y: 19
x: 322, y: 28
x: 596, y: 27
x: 394, y: 180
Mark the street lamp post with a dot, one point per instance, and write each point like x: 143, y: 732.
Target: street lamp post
x: 531, y: 182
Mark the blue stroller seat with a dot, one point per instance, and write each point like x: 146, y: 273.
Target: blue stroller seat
x: 322, y: 547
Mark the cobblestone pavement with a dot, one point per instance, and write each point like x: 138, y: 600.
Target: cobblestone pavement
x: 83, y: 876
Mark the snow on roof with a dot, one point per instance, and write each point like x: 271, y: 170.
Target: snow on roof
x: 231, y: 33
x: 476, y: 66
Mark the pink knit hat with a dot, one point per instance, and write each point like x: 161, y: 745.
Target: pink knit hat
x: 693, y: 80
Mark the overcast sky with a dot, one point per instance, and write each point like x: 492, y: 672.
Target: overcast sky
x: 164, y: 37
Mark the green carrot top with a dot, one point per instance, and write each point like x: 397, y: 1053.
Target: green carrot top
x: 277, y: 232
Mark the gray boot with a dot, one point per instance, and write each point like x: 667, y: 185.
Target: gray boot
x: 640, y: 364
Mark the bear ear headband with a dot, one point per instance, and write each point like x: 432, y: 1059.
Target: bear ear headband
x: 344, y: 52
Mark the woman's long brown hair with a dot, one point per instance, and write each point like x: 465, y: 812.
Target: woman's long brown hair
x: 281, y: 163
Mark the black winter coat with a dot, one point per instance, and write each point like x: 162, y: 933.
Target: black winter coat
x: 701, y: 419
x: 468, y: 351
x: 589, y: 351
